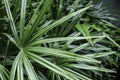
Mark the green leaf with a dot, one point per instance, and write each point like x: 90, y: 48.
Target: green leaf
x: 60, y: 9
x: 4, y: 73
x: 35, y: 22
x: 58, y: 22
x: 60, y: 53
x: 12, y: 24
x: 85, y: 45
x: 20, y: 75
x: 12, y: 40
x: 65, y: 46
x: 84, y: 29
x: 29, y: 68
x: 17, y: 4
x: 112, y: 41
x: 14, y: 67
x: 87, y: 67
x: 79, y: 47
x: 102, y: 54
x: 82, y: 77
x: 17, y: 67
x: 62, y: 39
x: 69, y: 27
x: 22, y: 18
x: 51, y: 66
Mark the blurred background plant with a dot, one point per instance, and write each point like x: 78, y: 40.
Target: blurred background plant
x: 57, y: 40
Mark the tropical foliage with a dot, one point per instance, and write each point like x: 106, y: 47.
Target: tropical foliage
x: 57, y: 40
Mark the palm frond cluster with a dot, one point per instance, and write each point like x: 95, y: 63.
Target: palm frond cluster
x: 57, y: 40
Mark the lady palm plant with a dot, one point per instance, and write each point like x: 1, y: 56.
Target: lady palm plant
x: 44, y: 44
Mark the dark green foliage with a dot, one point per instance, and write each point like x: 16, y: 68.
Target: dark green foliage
x: 56, y: 40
